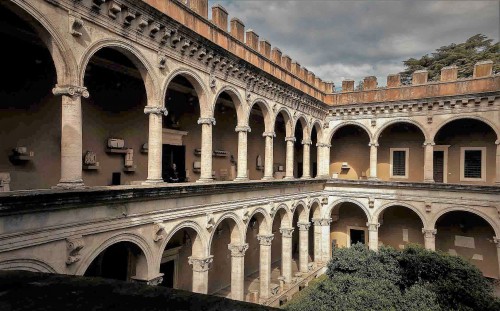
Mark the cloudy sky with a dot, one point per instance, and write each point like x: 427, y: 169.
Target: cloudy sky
x: 354, y: 39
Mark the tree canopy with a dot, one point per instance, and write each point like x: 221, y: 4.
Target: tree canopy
x: 464, y: 55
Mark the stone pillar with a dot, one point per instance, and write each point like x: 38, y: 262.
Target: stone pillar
x: 265, y: 265
x: 269, y: 153
x: 289, y: 157
x: 206, y: 149
x: 238, y: 270
x: 373, y: 161
x: 429, y: 238
x: 323, y: 160
x: 242, y: 152
x: 326, y: 249
x: 200, y: 273
x: 317, y: 240
x: 286, y: 254
x: 71, y: 135
x: 155, y: 146
x: 373, y: 236
x: 497, y: 165
x: 306, y: 165
x: 428, y: 162
x: 496, y: 240
x: 303, y: 246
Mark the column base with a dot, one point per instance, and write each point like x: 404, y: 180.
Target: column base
x: 152, y: 181
x: 373, y: 178
x: 205, y: 180
x: 241, y: 179
x: 305, y: 177
x: 267, y: 178
x: 323, y: 177
x: 66, y: 185
x: 429, y: 181
x: 289, y: 177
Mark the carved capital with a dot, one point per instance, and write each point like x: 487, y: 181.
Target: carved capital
x: 265, y: 239
x: 373, y: 144
x: 322, y: 221
x: 292, y: 139
x: 74, y: 245
x: 242, y: 128
x: 286, y: 232
x: 323, y: 145
x: 201, y: 264
x: 269, y: 134
x: 306, y: 142
x: 156, y: 110
x: 70, y: 90
x: 304, y: 226
x: 429, y: 143
x: 209, y: 121
x: 238, y: 250
x: 429, y: 233
x: 373, y: 227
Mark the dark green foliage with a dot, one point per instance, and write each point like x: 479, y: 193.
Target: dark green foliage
x: 413, y: 279
x: 464, y: 55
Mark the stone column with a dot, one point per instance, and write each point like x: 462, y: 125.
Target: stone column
x: 428, y: 162
x: 306, y: 165
x: 496, y: 240
x: 303, y: 246
x: 497, y: 166
x: 238, y: 270
x: 200, y: 273
x: 242, y: 152
x: 206, y: 149
x: 286, y: 253
x: 317, y: 240
x: 155, y: 146
x: 289, y: 157
x: 269, y: 153
x: 429, y: 238
x: 265, y: 265
x: 71, y: 135
x: 326, y: 249
x: 373, y: 236
x: 323, y: 160
x: 373, y: 161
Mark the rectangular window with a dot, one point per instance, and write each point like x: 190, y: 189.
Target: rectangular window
x: 472, y: 163
x: 399, y: 162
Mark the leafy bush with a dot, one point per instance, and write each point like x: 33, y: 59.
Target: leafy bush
x: 413, y: 279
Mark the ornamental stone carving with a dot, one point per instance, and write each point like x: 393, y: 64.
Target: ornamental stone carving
x: 269, y: 134
x: 74, y: 245
x: 155, y: 281
x: 159, y: 231
x: 429, y: 233
x: 70, y: 90
x: 246, y: 215
x: 265, y: 240
x: 323, y: 145
x: 322, y: 221
x: 238, y: 250
x: 306, y: 142
x: 156, y: 110
x: 496, y: 241
x: 304, y: 226
x: 286, y: 232
x: 210, y: 221
x: 292, y: 139
x: 209, y: 121
x: 242, y: 128
x: 373, y: 227
x: 201, y: 264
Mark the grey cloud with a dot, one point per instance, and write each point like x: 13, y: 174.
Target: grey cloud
x: 353, y: 39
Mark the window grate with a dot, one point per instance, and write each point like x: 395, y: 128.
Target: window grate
x: 472, y: 163
x: 399, y: 163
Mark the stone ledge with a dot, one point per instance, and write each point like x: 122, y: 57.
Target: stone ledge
x: 23, y: 290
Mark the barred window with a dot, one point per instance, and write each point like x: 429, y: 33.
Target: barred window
x: 399, y: 163
x: 472, y: 163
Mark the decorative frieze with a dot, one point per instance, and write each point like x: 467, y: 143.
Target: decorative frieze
x: 201, y: 264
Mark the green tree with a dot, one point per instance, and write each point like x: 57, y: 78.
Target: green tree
x: 464, y: 55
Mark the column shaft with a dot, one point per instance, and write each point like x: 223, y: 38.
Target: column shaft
x: 289, y: 157
x: 304, y: 246
x: 497, y: 166
x: 428, y: 162
x: 238, y: 271
x: 269, y: 153
x: 200, y: 273
x: 317, y: 242
x: 326, y: 252
x: 155, y: 146
x: 206, y: 149
x: 306, y: 164
x: 265, y: 265
x: 286, y: 254
x: 373, y: 236
x: 373, y: 161
x: 430, y: 239
x: 242, y: 154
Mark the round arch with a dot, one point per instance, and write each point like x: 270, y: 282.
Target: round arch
x: 319, y: 130
x: 336, y: 203
x: 123, y: 237
x: 183, y: 225
x: 289, y: 126
x: 266, y: 220
x: 237, y: 101
x: 352, y: 123
x: 376, y: 136
x: 27, y: 264
x: 465, y: 117
x: 133, y: 54
x: 198, y: 85
x: 240, y: 228
x: 304, y: 124
x: 266, y: 111
x: 420, y: 215
x: 303, y: 212
x: 287, y: 219
x: 488, y: 219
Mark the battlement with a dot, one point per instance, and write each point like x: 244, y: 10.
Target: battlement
x: 245, y: 44
x: 482, y: 80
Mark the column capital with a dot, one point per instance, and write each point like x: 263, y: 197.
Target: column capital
x: 429, y: 143
x: 292, y: 139
x: 269, y: 134
x: 70, y: 90
x: 373, y: 144
x: 201, y: 264
x: 497, y: 142
x: 306, y: 142
x: 323, y: 145
x: 429, y: 233
x: 238, y: 250
x: 156, y: 110
x: 373, y: 227
x: 209, y: 121
x: 496, y: 240
x: 303, y: 226
x: 322, y: 221
x: 243, y: 128
x: 286, y: 232
x: 265, y: 239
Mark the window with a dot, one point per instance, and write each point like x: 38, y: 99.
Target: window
x: 399, y: 162
x: 472, y: 163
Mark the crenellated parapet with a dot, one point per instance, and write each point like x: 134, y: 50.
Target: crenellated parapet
x: 482, y: 81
